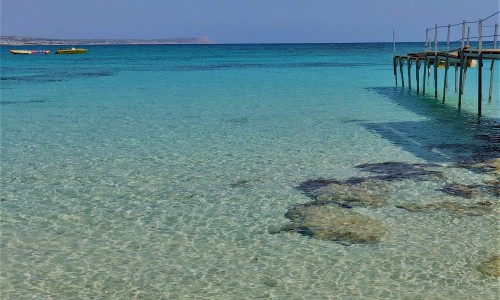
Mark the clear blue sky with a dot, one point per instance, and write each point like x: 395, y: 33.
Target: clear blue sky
x: 238, y: 21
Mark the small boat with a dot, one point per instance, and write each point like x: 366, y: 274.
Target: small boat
x: 71, y: 51
x: 29, y: 51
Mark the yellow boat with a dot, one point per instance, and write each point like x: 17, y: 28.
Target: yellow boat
x: 71, y: 51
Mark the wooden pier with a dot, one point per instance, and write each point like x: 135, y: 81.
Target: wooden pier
x: 461, y: 59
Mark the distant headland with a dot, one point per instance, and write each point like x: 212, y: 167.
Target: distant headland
x: 21, y: 40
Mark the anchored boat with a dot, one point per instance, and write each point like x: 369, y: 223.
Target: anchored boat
x: 29, y: 51
x: 71, y: 51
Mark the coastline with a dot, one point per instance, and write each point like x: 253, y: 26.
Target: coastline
x: 24, y: 41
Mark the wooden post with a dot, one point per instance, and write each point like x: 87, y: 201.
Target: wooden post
x: 480, y: 68
x: 462, y: 61
x: 401, y: 71
x: 429, y: 69
x: 429, y: 62
x: 395, y: 64
x: 492, y: 68
x: 465, y: 60
x: 465, y: 73
x: 436, y: 62
x: 424, y: 73
x: 394, y: 59
x: 408, y: 62
x: 446, y: 64
x: 460, y: 82
x: 417, y: 75
x: 447, y: 53
x: 456, y: 64
x: 417, y: 63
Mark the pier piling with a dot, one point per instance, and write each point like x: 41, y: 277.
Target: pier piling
x: 425, y: 59
x: 446, y: 64
x: 436, y: 62
x: 461, y: 59
x: 408, y: 63
x: 401, y: 71
x: 394, y: 60
x: 480, y: 68
x: 492, y: 68
x: 417, y: 75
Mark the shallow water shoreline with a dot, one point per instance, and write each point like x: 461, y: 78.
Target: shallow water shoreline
x: 169, y: 172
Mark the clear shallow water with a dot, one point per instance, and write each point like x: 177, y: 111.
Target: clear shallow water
x: 160, y: 172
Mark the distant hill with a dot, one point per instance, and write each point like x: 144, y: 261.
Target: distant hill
x: 20, y: 40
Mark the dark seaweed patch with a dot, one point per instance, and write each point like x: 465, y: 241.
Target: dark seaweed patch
x: 464, y: 191
x: 480, y: 164
x: 240, y: 183
x: 326, y: 64
x: 470, y: 209
x: 235, y: 65
x: 469, y: 191
x: 493, y: 138
x: 55, y: 77
x: 94, y: 74
x: 392, y: 171
x: 487, y: 153
x: 347, y: 120
x: 313, y: 184
x: 22, y: 102
x: 219, y: 67
x: 31, y: 79
x: 241, y: 120
x: 393, y: 167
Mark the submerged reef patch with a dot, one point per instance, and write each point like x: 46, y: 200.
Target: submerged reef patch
x: 462, y: 209
x: 491, y: 267
x: 332, y: 223
x: 493, y: 187
x: 370, y: 192
x: 472, y: 190
x: 489, y: 166
x: 329, y: 216
x: 462, y: 190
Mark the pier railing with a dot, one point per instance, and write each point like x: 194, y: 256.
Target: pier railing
x: 462, y: 58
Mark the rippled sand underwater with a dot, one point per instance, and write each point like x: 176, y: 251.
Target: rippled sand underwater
x: 242, y: 171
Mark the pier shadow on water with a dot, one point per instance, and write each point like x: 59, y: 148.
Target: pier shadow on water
x: 445, y: 136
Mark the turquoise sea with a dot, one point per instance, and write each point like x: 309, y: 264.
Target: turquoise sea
x: 169, y: 172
